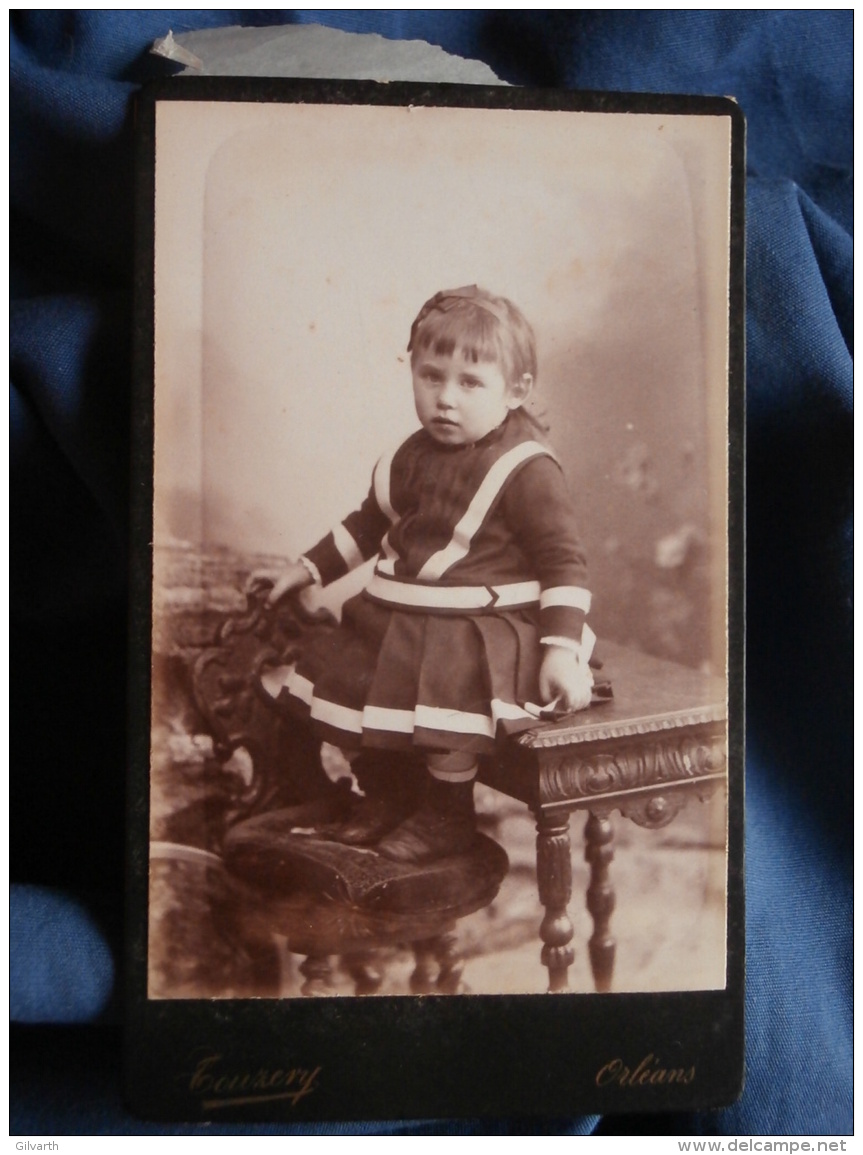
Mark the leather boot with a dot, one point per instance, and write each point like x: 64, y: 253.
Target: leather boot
x: 444, y: 826
x: 392, y: 789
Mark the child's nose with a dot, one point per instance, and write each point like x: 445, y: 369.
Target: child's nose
x: 446, y: 393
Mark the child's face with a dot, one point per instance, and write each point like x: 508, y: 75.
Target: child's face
x: 460, y: 401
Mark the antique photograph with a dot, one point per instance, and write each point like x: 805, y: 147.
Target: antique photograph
x: 440, y: 567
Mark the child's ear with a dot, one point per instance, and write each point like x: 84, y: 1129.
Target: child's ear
x: 519, y: 391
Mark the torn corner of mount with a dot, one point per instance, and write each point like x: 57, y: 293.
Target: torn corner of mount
x: 314, y: 51
x: 168, y: 47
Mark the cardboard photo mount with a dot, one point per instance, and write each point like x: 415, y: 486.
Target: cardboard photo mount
x: 287, y: 234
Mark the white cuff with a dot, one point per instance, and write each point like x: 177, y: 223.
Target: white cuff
x: 564, y: 643
x: 582, y: 649
x: 313, y: 570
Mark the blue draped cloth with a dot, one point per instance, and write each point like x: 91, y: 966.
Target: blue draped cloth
x: 73, y: 74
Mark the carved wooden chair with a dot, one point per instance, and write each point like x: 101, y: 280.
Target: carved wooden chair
x: 322, y: 898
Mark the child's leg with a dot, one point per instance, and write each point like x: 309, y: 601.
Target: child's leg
x: 445, y: 823
x: 391, y: 790
x: 452, y: 766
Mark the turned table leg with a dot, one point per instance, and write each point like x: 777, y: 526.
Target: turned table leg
x: 599, y: 851
x: 554, y: 880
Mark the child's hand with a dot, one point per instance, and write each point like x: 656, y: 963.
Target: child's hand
x: 293, y: 576
x: 564, y: 677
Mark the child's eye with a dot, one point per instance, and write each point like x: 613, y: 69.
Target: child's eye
x: 471, y: 382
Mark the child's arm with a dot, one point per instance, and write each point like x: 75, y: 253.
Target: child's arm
x: 539, y: 510
x: 352, y: 542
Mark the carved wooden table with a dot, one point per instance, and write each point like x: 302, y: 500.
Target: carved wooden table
x: 660, y: 741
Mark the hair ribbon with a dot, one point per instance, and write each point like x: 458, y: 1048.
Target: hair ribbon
x: 448, y: 299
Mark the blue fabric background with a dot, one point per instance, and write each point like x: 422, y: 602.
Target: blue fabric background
x: 72, y: 76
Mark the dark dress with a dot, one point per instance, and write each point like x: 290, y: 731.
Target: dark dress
x: 478, y: 559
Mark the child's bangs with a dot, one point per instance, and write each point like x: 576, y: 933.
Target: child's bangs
x: 474, y: 332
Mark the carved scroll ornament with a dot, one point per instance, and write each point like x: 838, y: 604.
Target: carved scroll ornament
x: 571, y: 776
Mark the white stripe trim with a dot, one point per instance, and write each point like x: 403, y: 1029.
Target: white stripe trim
x: 452, y: 597
x: 343, y: 718
x: 386, y: 718
x: 453, y: 721
x: 392, y: 720
x: 387, y: 562
x: 381, y: 486
x: 395, y: 721
x: 572, y: 596
x: 477, y: 511
x: 347, y: 547
x: 300, y: 687
x: 339, y: 716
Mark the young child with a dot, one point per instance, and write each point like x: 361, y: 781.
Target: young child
x: 477, y: 603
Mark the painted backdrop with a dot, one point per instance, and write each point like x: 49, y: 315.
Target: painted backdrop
x: 294, y: 246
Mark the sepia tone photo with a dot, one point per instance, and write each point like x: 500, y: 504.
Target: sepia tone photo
x: 440, y: 569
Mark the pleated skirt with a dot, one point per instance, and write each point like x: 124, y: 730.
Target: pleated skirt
x: 401, y: 680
